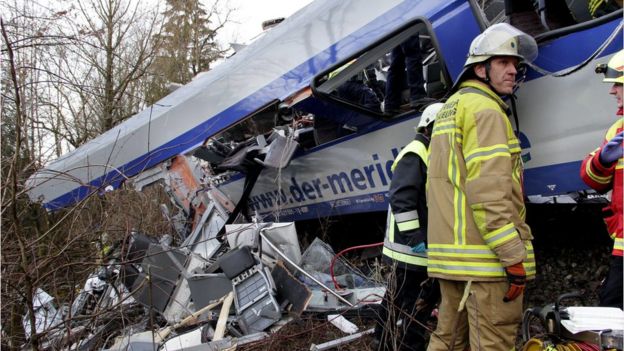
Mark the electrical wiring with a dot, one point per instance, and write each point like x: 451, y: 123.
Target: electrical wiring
x: 333, y: 261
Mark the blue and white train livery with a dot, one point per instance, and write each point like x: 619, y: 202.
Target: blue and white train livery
x: 294, y: 77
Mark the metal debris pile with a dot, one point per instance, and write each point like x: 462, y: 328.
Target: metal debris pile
x: 206, y: 293
x: 229, y: 279
x: 223, y: 279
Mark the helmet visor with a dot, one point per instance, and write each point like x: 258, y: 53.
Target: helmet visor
x: 613, y: 74
x: 503, y: 39
x: 610, y: 74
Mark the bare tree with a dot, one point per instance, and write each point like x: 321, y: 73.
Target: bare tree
x: 50, y: 97
x: 70, y: 71
x: 114, y: 50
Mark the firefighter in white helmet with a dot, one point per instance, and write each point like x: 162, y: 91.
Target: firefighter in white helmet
x: 603, y: 170
x: 479, y: 244
x: 405, y: 245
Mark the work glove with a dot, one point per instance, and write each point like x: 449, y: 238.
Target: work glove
x: 517, y: 280
x: 612, y: 151
x: 420, y: 248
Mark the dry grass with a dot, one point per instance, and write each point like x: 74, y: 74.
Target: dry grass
x: 300, y: 334
x: 57, y: 251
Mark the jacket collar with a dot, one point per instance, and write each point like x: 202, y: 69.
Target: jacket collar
x: 473, y: 83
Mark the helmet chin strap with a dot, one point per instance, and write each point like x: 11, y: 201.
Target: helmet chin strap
x: 519, y: 80
x: 512, y: 97
x: 487, y: 72
x: 487, y: 79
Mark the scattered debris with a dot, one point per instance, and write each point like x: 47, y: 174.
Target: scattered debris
x: 253, y: 270
x: 341, y: 341
x: 164, y: 293
x: 342, y: 323
x: 46, y: 314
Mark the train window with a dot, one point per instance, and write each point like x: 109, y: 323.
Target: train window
x: 537, y: 17
x: 396, y: 75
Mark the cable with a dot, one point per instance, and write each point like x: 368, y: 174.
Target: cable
x: 573, y: 69
x: 331, y: 266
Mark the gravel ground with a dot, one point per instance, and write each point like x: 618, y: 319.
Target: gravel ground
x: 572, y: 250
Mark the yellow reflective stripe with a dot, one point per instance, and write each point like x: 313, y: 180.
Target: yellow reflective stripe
x: 390, y: 225
x: 529, y: 268
x: 596, y: 178
x: 409, y: 225
x: 475, y: 254
x: 522, y: 213
x: 500, y: 235
x: 618, y: 244
x: 415, y: 260
x: 406, y: 216
x: 486, y: 153
x: 444, y: 123
x: 335, y: 72
x: 483, y: 269
x: 468, y: 251
x: 472, y: 269
x: 620, y: 164
x: 514, y: 146
x: 459, y: 224
x: 464, y: 255
x: 613, y: 130
x: 400, y: 248
x: 463, y: 247
x: 444, y: 127
x: 438, y: 263
x: 593, y: 6
x: 407, y: 220
x: 459, y: 137
x: 476, y: 88
x: 444, y: 130
x: 529, y: 264
x: 416, y: 147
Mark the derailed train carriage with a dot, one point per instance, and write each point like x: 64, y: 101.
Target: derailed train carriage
x: 287, y: 78
x: 268, y: 132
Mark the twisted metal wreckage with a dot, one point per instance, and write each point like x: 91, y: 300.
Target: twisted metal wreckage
x: 253, y: 271
x: 226, y: 260
x: 290, y: 82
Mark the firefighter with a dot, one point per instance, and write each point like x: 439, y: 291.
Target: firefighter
x: 479, y: 244
x: 405, y: 245
x: 602, y: 170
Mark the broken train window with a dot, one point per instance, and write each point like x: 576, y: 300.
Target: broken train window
x: 263, y: 139
x: 537, y: 17
x: 398, y: 74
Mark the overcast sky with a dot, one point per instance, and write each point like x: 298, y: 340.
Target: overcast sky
x: 249, y: 15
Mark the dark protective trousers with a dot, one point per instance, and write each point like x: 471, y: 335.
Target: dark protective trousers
x: 405, y: 71
x: 611, y: 290
x: 400, y: 303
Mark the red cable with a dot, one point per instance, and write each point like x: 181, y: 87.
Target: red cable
x: 331, y: 266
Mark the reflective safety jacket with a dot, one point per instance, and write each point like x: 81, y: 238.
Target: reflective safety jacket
x: 475, y: 196
x: 407, y: 216
x: 604, y: 178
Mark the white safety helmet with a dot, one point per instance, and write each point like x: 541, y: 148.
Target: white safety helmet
x: 501, y: 39
x: 614, y: 70
x: 429, y: 115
